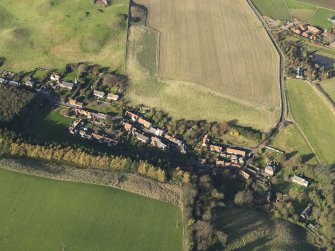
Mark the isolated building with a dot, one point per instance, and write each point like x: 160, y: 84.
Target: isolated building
x: 300, y: 181
x: 112, y: 96
x: 144, y: 122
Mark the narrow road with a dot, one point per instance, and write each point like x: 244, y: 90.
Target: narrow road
x: 283, y: 100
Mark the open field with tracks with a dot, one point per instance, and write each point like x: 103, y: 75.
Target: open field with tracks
x: 313, y: 11
x: 219, y: 64
x: 42, y: 214
x: 251, y: 230
x: 315, y: 118
x: 329, y: 87
x: 50, y: 34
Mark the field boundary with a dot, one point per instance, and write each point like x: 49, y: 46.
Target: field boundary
x: 66, y: 173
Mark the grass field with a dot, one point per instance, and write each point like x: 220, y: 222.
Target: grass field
x: 316, y: 12
x: 251, y: 230
x: 211, y: 73
x: 329, y: 87
x: 42, y: 214
x: 50, y: 34
x: 314, y: 117
x: 290, y: 140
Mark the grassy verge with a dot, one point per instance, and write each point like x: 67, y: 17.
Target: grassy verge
x: 314, y: 118
x: 42, y: 214
x: 290, y: 140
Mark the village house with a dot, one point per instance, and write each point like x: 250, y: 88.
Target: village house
x: 29, y: 83
x: 127, y: 126
x: 307, y: 30
x: 244, y: 175
x: 205, y: 140
x: 83, y: 112
x: 55, y: 77
x: 142, y: 138
x: 158, y: 143
x: 156, y: 131
x: 14, y: 83
x: 300, y: 73
x: 305, y: 213
x: 215, y: 148
x: 173, y: 140
x: 66, y: 85
x: 99, y: 115
x: 98, y: 94
x: 3, y: 81
x: 134, y: 117
x: 75, y: 103
x: 75, y: 126
x: 219, y: 163
x: 112, y: 96
x: 300, y: 181
x: 144, y: 122
x: 270, y: 169
x: 233, y: 151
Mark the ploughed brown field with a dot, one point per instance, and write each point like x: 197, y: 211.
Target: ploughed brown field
x: 220, y: 45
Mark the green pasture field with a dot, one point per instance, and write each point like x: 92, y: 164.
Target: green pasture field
x: 42, y: 214
x: 251, y: 230
x: 273, y: 8
x: 311, y: 11
x: 329, y: 87
x: 314, y: 117
x: 290, y: 140
x: 324, y: 3
x: 50, y: 34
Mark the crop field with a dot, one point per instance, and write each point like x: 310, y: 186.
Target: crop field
x: 315, y: 118
x: 50, y: 34
x: 42, y: 214
x: 329, y: 87
x: 219, y: 73
x: 251, y: 230
x: 313, y: 11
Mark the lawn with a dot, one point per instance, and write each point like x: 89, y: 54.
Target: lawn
x: 42, y: 214
x: 314, y: 117
x: 329, y: 87
x: 50, y: 34
x: 212, y: 74
x: 50, y: 125
x: 251, y: 230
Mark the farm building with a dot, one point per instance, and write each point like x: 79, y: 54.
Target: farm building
x: 158, y: 143
x: 133, y: 116
x: 66, y: 85
x: 98, y: 94
x: 215, y: 148
x: 142, y: 138
x: 144, y: 122
x: 112, y: 96
x: 236, y: 152
x: 244, y: 175
x: 300, y: 181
